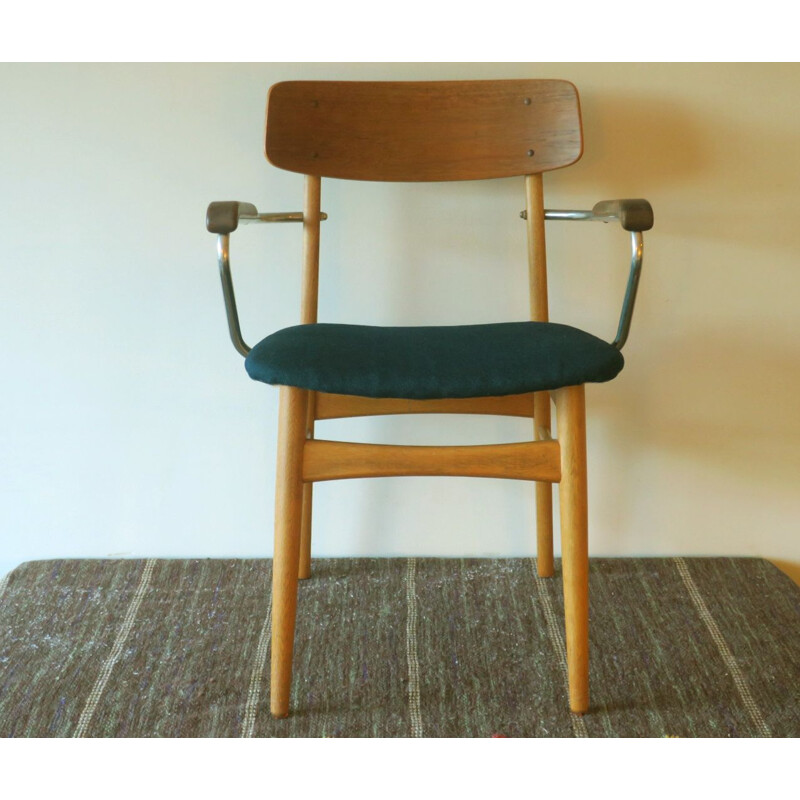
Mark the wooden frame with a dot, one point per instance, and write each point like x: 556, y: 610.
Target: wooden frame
x: 528, y: 461
x: 302, y: 459
x: 423, y: 131
x: 337, y: 406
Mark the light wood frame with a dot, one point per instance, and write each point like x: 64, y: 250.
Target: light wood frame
x: 303, y: 459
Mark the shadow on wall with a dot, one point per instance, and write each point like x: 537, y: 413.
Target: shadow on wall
x: 715, y: 378
x: 717, y: 400
x: 730, y: 388
x: 639, y: 145
x: 724, y: 348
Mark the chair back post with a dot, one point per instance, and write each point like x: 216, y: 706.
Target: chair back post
x: 308, y: 315
x: 311, y: 220
x: 310, y: 284
x: 537, y: 257
x: 537, y: 277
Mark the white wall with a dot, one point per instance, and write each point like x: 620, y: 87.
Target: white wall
x: 130, y: 427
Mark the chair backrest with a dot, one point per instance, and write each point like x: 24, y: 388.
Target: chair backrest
x: 423, y: 131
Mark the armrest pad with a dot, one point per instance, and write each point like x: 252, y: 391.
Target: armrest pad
x: 223, y: 217
x: 634, y: 215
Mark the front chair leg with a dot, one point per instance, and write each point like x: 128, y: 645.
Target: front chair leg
x: 288, y: 522
x: 571, y: 420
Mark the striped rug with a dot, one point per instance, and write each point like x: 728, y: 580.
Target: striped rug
x: 397, y: 648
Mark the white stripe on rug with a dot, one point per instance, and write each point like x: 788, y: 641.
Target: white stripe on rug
x: 257, y: 674
x: 116, y: 651
x: 414, y: 708
x: 722, y: 646
x: 557, y: 640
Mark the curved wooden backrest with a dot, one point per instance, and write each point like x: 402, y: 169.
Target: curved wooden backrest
x: 423, y: 131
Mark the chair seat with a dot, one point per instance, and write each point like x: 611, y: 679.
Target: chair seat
x: 433, y: 362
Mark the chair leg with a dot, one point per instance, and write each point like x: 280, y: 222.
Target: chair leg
x: 288, y: 522
x: 308, y: 497
x: 571, y: 419
x: 544, y: 493
x: 544, y: 530
x: 305, y: 533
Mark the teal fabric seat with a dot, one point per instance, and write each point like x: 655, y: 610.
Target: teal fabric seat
x: 433, y: 362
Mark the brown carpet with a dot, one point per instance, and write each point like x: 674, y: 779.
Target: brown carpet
x: 397, y: 648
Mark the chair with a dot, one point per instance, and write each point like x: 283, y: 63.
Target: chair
x: 429, y: 131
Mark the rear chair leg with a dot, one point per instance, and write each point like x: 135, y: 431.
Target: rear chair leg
x: 308, y: 496
x: 544, y: 530
x: 544, y: 492
x: 571, y: 419
x: 305, y: 533
x: 288, y: 523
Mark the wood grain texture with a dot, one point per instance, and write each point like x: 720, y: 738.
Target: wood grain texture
x: 311, y: 225
x: 423, y: 131
x: 537, y: 254
x: 304, y: 559
x: 308, y: 314
x: 537, y: 284
x: 323, y: 460
x: 571, y: 421
x: 288, y: 520
x: 337, y: 406
x: 545, y: 564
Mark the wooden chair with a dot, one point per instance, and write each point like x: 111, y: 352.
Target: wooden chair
x: 429, y: 131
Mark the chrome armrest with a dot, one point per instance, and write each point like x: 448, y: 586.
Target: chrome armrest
x: 635, y: 216
x: 223, y: 218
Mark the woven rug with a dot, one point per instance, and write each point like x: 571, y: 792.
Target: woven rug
x: 397, y: 648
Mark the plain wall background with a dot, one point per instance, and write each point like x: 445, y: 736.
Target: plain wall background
x: 129, y: 426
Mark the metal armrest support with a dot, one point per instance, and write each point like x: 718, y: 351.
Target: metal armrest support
x: 223, y: 218
x: 635, y: 216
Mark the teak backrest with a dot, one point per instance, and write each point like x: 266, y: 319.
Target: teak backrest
x: 423, y: 131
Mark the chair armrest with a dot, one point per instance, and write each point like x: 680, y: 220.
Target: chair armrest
x: 223, y: 218
x: 635, y: 216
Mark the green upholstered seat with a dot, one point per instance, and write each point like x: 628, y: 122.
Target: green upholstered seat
x: 433, y: 362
